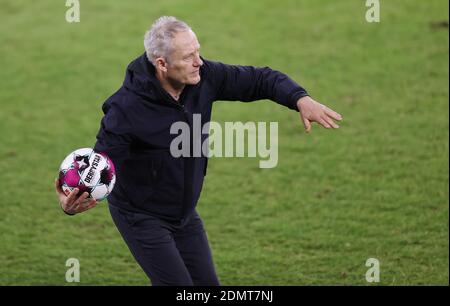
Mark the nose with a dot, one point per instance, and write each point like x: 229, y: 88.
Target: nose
x: 198, y: 61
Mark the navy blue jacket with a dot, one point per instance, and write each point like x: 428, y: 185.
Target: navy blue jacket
x: 135, y: 131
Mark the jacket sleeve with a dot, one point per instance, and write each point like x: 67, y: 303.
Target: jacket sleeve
x: 247, y: 83
x: 114, y: 137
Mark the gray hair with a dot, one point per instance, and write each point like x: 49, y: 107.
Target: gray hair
x: 158, y: 39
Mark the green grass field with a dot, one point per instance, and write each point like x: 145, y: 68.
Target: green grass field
x: 377, y: 187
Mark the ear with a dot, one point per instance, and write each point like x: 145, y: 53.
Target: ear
x: 161, y: 64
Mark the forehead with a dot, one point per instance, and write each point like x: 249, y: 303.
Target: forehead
x: 185, y: 42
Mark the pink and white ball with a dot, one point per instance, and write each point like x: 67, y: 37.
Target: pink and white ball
x: 88, y: 171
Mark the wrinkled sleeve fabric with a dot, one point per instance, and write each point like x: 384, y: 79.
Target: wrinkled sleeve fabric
x: 247, y: 83
x: 115, y: 135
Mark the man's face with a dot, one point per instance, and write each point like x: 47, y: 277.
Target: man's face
x: 184, y: 62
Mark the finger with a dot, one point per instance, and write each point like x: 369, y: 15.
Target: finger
x: 82, y: 198
x: 72, y: 206
x: 330, y: 122
x: 87, y: 205
x: 333, y: 114
x: 86, y: 202
x: 91, y: 203
x: 323, y: 123
x: 78, y: 205
x: 306, y: 124
x: 71, y: 197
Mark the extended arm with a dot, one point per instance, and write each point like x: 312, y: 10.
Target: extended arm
x: 247, y: 83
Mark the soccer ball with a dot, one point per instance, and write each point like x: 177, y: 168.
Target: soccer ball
x: 88, y: 171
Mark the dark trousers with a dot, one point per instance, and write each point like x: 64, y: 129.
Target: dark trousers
x: 170, y: 254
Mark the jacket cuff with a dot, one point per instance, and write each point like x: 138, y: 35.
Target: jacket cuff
x: 296, y: 96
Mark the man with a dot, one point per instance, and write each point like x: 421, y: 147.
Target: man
x: 154, y: 199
